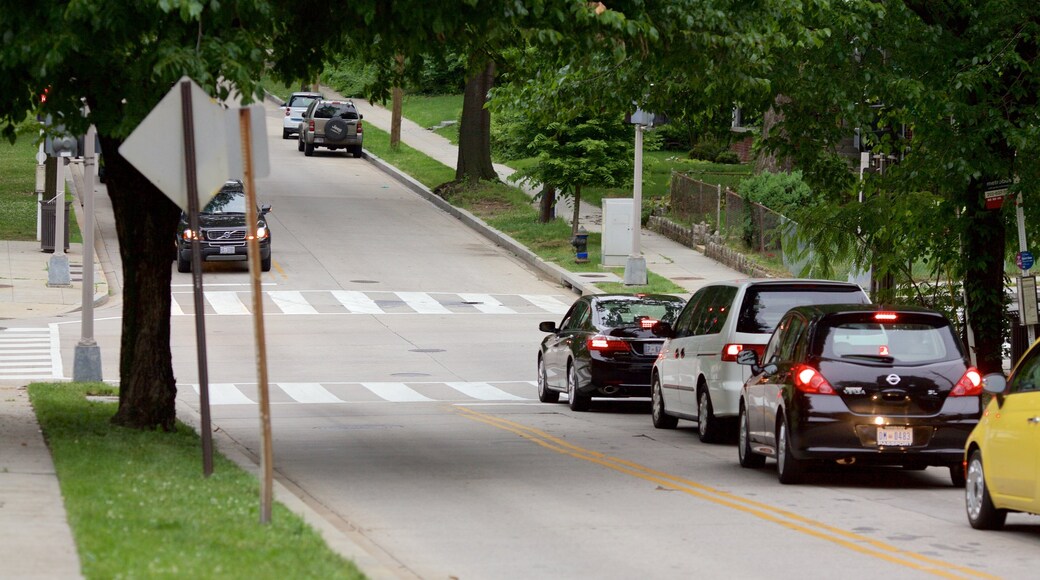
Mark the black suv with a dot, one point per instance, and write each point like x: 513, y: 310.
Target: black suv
x: 859, y: 384
x: 222, y: 230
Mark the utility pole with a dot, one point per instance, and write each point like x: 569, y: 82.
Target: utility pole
x: 635, y: 268
x: 86, y: 366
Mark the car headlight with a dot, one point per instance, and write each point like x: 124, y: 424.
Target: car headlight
x: 261, y: 232
x: 189, y: 235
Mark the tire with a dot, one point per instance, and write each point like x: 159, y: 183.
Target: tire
x: 356, y: 150
x: 299, y: 143
x: 335, y: 130
x: 286, y: 134
x: 308, y: 149
x: 748, y: 458
x: 182, y: 264
x: 662, y: 420
x: 788, y: 469
x: 576, y: 400
x: 545, y: 394
x: 265, y: 264
x: 708, y: 426
x: 982, y: 514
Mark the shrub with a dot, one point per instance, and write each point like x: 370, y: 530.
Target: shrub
x: 728, y: 158
x: 707, y: 150
x: 780, y: 192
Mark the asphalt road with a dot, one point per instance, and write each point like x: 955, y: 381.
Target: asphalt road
x: 401, y: 359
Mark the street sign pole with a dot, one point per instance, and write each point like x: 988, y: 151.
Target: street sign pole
x: 635, y: 268
x: 58, y: 274
x: 196, y: 275
x: 1023, y: 250
x: 86, y: 365
x: 266, y: 444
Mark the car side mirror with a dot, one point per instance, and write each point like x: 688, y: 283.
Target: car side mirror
x: 994, y: 383
x: 548, y: 326
x: 747, y: 357
x: 360, y: 116
x: 265, y: 208
x: 663, y: 329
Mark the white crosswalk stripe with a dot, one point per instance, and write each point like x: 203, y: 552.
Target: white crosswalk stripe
x: 332, y: 302
x: 30, y: 353
x: 357, y: 392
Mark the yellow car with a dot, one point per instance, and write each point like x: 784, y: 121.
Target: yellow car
x: 1002, y: 453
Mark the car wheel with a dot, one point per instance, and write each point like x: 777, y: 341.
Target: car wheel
x: 182, y: 264
x: 662, y: 420
x: 748, y: 458
x: 788, y: 469
x: 707, y: 426
x: 308, y: 149
x: 982, y: 514
x: 357, y: 151
x: 299, y: 143
x: 545, y: 394
x: 286, y: 134
x: 265, y: 264
x: 576, y: 400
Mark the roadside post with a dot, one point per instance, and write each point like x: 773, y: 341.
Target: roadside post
x: 86, y: 364
x: 1027, y: 303
x: 58, y: 273
x: 635, y: 268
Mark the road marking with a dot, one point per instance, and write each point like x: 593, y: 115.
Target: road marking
x: 224, y: 394
x: 484, y: 392
x: 486, y: 304
x: 291, y: 302
x: 851, y: 540
x: 422, y: 303
x: 30, y: 353
x: 547, y: 303
x: 175, y: 309
x: 357, y: 302
x: 226, y: 303
x: 309, y: 393
x: 396, y: 392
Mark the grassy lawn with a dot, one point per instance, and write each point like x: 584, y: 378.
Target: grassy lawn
x: 140, y: 507
x: 18, y: 205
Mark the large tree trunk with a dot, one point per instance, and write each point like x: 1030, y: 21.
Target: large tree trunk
x: 767, y: 161
x: 475, y: 129
x: 577, y: 209
x: 984, y: 277
x: 146, y: 223
x: 546, y: 204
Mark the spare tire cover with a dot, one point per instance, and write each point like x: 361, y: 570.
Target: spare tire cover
x: 335, y: 130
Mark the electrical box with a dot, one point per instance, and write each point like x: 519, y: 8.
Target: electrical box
x: 617, y: 231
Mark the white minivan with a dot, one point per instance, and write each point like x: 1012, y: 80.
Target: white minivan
x: 696, y: 376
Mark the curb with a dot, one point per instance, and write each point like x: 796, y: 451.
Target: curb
x: 552, y: 271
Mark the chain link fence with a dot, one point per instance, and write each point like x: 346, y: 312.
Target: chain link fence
x: 734, y: 218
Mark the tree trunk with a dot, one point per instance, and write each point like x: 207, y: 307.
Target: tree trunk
x: 577, y: 208
x: 984, y: 277
x: 395, y: 110
x: 146, y: 224
x: 768, y: 161
x: 475, y: 129
x: 546, y: 204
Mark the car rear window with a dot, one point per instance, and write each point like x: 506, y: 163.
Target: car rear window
x: 900, y: 341
x: 620, y: 313
x: 300, y: 101
x: 765, y: 305
x: 340, y: 110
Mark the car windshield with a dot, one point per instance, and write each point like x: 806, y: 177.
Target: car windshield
x: 898, y: 342
x: 330, y: 110
x: 764, y: 306
x: 620, y: 313
x: 226, y: 201
x: 300, y: 101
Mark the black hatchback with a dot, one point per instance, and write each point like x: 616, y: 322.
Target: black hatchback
x: 859, y: 384
x: 605, y: 346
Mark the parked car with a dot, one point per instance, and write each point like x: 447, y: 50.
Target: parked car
x: 1002, y: 454
x: 605, y: 346
x: 697, y: 376
x: 222, y: 231
x: 861, y: 384
x: 331, y: 124
x: 294, y: 109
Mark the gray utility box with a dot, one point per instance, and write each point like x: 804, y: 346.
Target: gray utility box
x: 47, y: 225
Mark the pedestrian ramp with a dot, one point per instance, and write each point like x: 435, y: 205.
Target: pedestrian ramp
x: 30, y: 354
x: 333, y: 302
x: 363, y: 392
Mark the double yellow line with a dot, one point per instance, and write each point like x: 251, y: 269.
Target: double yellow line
x: 791, y: 520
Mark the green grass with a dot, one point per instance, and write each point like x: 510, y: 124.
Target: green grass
x: 430, y: 110
x: 18, y: 205
x: 426, y: 170
x: 140, y: 507
x: 278, y: 88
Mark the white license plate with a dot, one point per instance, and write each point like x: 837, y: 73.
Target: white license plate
x: 227, y: 249
x: 895, y: 436
x: 319, y: 139
x: 652, y: 349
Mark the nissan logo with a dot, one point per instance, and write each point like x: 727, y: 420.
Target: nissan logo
x: 892, y: 379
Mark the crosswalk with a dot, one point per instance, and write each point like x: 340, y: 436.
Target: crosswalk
x: 30, y: 354
x: 363, y: 392
x: 329, y: 302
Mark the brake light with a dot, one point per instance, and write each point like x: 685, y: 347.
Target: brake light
x: 809, y: 380
x: 287, y: 111
x: 883, y: 350
x: 359, y: 126
x: 886, y: 316
x: 730, y: 351
x: 969, y: 385
x: 647, y: 323
x: 310, y: 125
x: 607, y: 344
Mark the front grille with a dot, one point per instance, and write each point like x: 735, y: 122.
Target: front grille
x: 225, y: 235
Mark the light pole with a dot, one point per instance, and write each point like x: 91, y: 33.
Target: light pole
x: 635, y: 268
x: 86, y: 366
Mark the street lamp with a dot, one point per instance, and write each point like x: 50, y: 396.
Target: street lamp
x: 635, y: 268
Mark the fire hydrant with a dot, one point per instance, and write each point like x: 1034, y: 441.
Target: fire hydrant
x: 580, y: 241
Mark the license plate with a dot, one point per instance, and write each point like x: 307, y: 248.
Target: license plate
x: 227, y: 249
x: 895, y: 436
x: 319, y: 139
x: 652, y: 349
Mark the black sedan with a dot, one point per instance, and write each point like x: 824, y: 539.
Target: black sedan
x: 860, y: 384
x: 605, y: 346
x: 222, y: 231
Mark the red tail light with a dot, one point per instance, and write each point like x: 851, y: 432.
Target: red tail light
x: 970, y: 384
x: 809, y: 380
x: 730, y: 351
x: 287, y: 111
x: 886, y: 316
x: 607, y: 344
x: 310, y: 125
x: 647, y: 323
x: 359, y: 126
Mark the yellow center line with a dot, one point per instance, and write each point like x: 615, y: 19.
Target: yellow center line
x: 845, y: 538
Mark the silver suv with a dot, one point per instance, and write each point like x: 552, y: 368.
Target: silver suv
x: 331, y: 124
